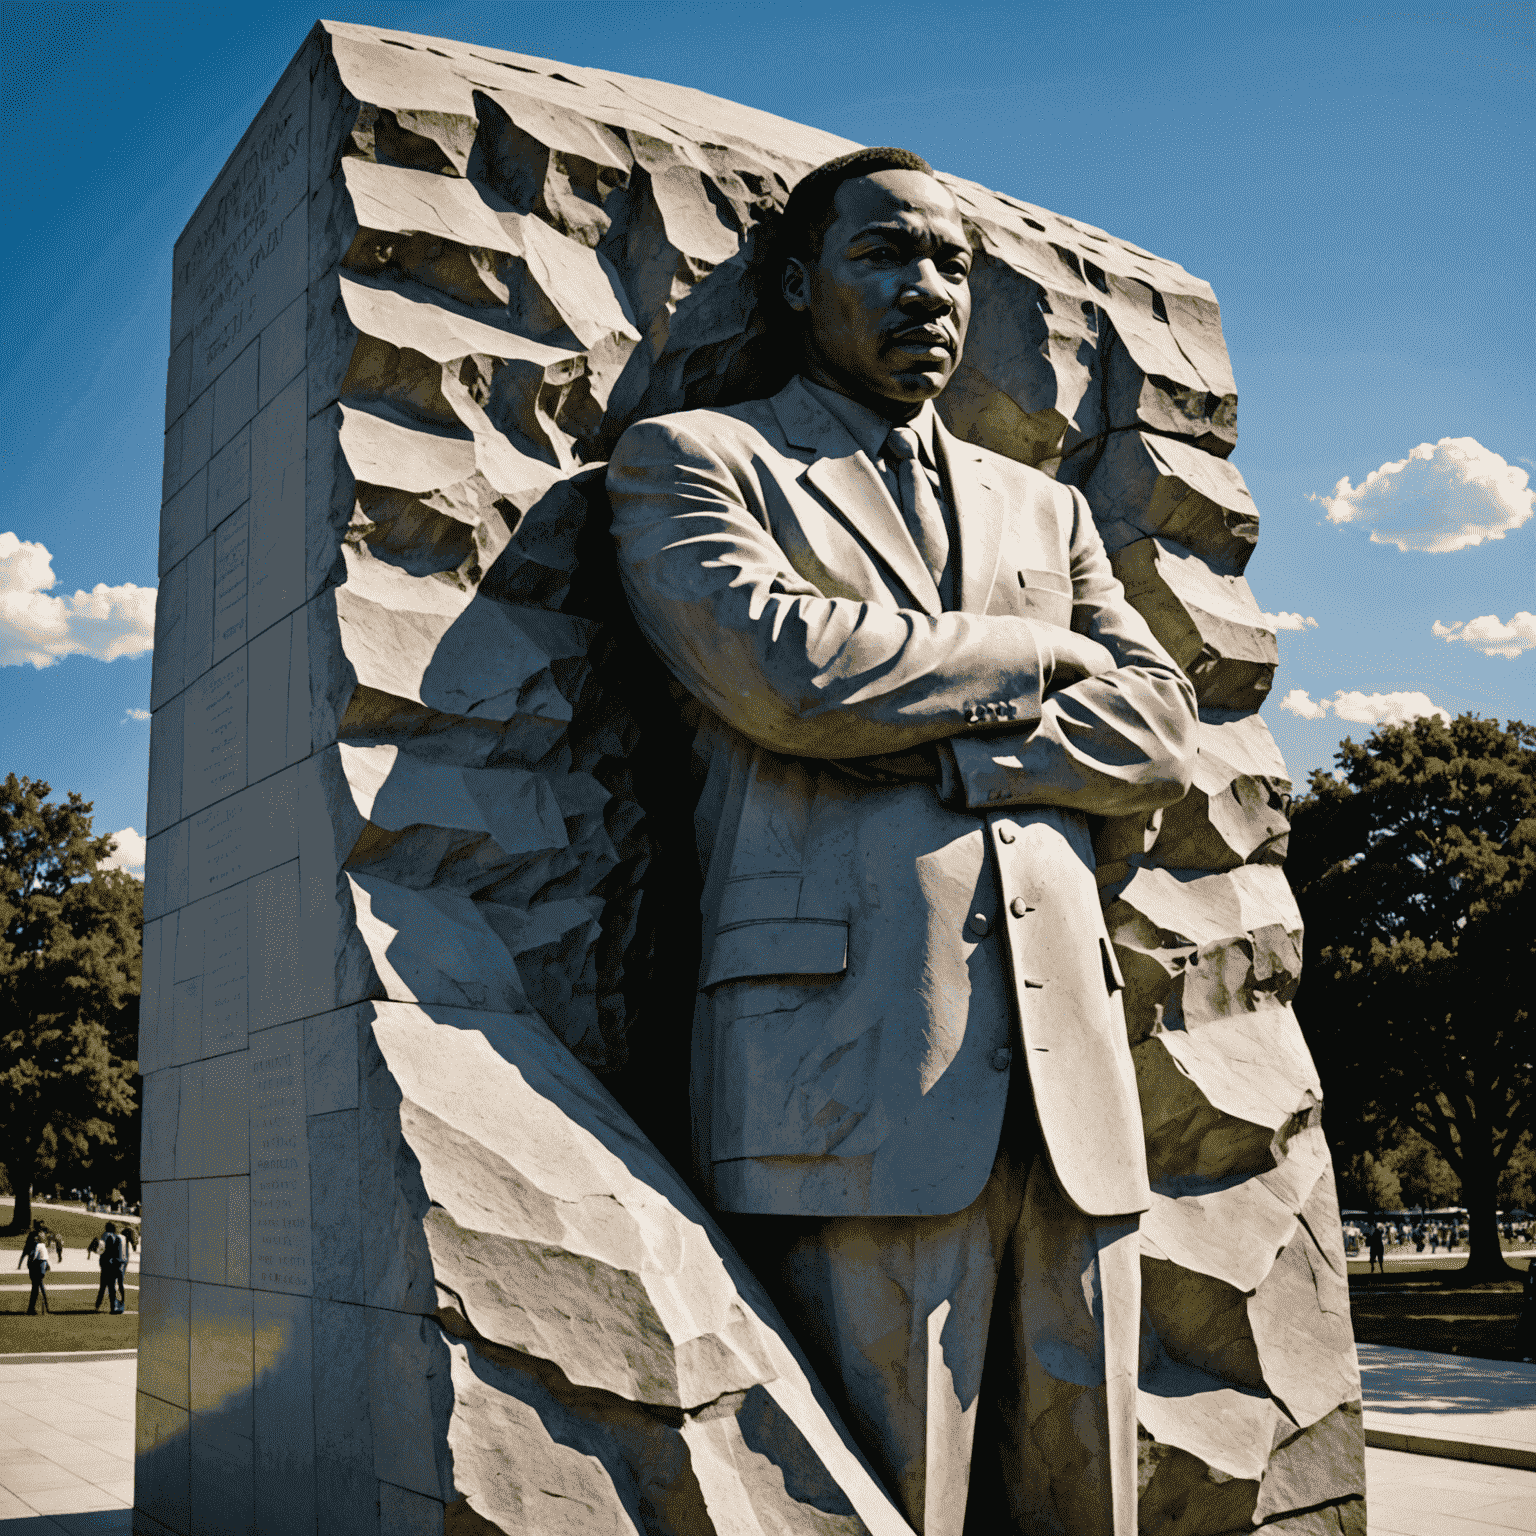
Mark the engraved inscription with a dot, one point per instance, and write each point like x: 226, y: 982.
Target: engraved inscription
x: 227, y: 972
x: 218, y: 270
x: 218, y: 844
x: 230, y: 585
x: 215, y: 734
x: 280, y: 1222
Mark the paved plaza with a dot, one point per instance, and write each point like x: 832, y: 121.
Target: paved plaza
x: 66, y: 1445
x: 1449, y: 1405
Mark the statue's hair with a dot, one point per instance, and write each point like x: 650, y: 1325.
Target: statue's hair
x: 807, y: 214
x: 774, y: 331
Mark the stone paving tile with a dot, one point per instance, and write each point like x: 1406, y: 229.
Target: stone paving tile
x: 1411, y: 1495
x: 35, y: 1477
x: 66, y: 1456
x: 12, y: 1507
x: 83, y: 1498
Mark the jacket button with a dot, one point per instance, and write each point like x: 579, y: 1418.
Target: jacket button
x: 1001, y: 1058
x: 979, y: 925
x: 1004, y: 835
x: 1017, y: 907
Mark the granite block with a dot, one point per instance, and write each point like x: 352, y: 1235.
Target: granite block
x: 162, y: 1115
x: 184, y: 521
x: 191, y: 1127
x: 150, y: 1046
x: 330, y: 1061
x: 225, y: 1113
x: 346, y: 1495
x: 164, y: 1335
x: 271, y: 664
x: 222, y: 1476
x: 282, y: 349
x: 234, y: 268
x: 208, y: 1222
x: 234, y: 396
x: 165, y: 1232
x: 197, y: 631
x: 169, y: 667
x: 277, y: 535
x: 178, y: 381
x: 167, y: 754
x: 229, y: 478
x: 405, y: 1513
x: 214, y: 735
x: 280, y: 1203
x: 162, y: 1463
x: 275, y: 936
x: 197, y: 434
x: 285, y: 1467
x: 336, y: 1206
x: 405, y: 1353
x: 237, y: 1253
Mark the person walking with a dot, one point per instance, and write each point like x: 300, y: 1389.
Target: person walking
x: 1377, y: 1248
x: 113, y: 1246
x: 34, y: 1253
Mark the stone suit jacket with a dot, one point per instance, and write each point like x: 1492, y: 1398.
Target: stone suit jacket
x: 878, y: 949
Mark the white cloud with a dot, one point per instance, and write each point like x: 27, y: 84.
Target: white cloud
x: 106, y: 622
x: 1443, y: 496
x: 129, y: 853
x: 1288, y: 621
x: 1364, y: 708
x: 1490, y: 635
x: 134, y: 714
x: 1299, y: 702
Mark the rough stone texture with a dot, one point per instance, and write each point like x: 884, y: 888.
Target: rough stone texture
x: 414, y: 863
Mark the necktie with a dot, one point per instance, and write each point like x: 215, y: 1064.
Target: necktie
x: 919, y: 505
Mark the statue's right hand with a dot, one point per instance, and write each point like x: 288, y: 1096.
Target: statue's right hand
x: 1077, y: 657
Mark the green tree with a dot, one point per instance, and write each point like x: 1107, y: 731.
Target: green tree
x: 1425, y: 1177
x: 1369, y: 1183
x: 1413, y: 868
x: 1517, y: 1184
x: 69, y: 973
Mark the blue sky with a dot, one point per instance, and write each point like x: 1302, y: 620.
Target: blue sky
x: 1354, y: 179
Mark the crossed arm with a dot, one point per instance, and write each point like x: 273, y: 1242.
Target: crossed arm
x: 1099, y: 718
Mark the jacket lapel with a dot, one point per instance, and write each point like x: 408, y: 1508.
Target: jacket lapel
x: 980, y: 508
x: 842, y: 474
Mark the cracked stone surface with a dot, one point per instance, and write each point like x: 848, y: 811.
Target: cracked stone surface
x: 412, y: 883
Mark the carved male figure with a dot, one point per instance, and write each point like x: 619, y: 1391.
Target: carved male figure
x: 912, y: 1090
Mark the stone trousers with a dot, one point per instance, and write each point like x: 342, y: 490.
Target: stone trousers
x: 900, y: 1315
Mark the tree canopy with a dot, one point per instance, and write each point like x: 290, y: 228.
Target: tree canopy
x: 1413, y: 865
x: 69, y: 982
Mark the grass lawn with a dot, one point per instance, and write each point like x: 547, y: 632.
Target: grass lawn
x: 75, y: 1227
x: 1428, y: 1307
x: 70, y: 1324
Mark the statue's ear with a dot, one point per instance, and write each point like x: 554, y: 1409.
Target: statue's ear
x: 796, y: 285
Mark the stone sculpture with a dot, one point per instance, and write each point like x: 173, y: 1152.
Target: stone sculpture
x: 901, y: 736
x: 417, y: 851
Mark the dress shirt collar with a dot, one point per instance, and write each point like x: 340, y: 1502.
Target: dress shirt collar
x: 869, y: 429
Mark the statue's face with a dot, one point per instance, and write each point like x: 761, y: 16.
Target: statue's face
x: 889, y: 299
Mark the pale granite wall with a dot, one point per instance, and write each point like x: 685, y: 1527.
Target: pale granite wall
x: 407, y: 1265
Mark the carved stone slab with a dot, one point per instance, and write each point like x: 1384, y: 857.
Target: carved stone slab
x: 408, y: 1266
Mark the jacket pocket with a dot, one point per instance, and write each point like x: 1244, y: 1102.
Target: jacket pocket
x: 1047, y: 595
x: 792, y: 946
x: 1113, y: 980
